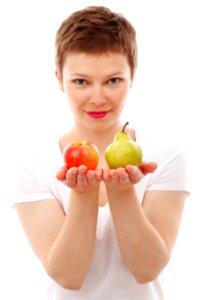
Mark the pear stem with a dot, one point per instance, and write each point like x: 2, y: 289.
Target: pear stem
x: 123, y: 129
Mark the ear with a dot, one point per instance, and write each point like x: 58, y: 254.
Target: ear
x: 59, y: 80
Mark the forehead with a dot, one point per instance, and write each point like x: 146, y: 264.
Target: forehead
x: 84, y: 62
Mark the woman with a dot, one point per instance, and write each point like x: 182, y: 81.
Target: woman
x: 101, y: 234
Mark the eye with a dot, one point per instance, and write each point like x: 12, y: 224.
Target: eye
x: 114, y: 80
x: 79, y: 81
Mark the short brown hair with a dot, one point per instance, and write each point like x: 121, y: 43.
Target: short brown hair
x: 96, y: 30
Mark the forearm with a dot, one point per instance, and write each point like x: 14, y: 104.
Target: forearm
x: 141, y: 245
x: 70, y: 255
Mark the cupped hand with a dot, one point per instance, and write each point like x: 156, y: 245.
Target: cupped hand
x: 123, y: 178
x: 80, y: 178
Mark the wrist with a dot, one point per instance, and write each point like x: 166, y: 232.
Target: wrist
x: 85, y: 195
x: 115, y: 195
x: 84, y: 204
x: 113, y: 190
x: 86, y: 189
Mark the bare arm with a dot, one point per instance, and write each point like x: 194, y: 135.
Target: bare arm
x: 146, y: 234
x: 64, y: 244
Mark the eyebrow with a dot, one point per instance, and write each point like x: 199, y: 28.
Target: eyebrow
x: 110, y: 75
x: 78, y: 75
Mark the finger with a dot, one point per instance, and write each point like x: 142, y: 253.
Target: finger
x: 91, y: 177
x: 135, y: 173
x: 82, y: 169
x: 71, y: 177
x: 61, y: 174
x: 106, y: 174
x: 148, y: 167
x: 123, y: 175
x: 98, y: 174
x: 81, y: 176
x: 114, y: 176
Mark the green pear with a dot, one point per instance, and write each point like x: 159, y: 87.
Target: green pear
x: 123, y: 151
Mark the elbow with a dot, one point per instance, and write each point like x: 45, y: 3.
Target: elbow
x: 66, y: 279
x: 69, y: 285
x: 145, y: 278
x: 65, y: 275
x: 67, y: 282
x: 149, y: 273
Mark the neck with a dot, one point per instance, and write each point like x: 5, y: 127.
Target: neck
x: 101, y: 137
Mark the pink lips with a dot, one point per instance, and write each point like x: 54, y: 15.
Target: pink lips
x: 97, y: 114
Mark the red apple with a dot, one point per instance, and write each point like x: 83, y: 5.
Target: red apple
x: 80, y: 153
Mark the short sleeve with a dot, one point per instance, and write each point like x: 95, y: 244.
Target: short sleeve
x: 171, y: 172
x: 32, y: 183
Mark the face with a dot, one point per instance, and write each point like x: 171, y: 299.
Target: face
x: 96, y: 87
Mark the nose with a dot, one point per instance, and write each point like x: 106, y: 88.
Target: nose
x: 98, y: 96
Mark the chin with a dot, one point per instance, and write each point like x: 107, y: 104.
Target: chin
x: 104, y: 125
x: 99, y: 126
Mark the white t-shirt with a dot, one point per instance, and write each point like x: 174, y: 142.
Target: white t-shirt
x: 108, y: 277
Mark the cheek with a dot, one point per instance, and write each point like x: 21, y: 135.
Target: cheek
x: 120, y: 97
x: 75, y: 98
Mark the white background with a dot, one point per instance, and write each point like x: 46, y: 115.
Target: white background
x: 163, y: 102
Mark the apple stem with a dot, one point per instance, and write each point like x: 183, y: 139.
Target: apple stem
x: 123, y: 129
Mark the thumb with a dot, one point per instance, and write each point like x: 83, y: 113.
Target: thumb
x: 61, y: 174
x: 147, y: 168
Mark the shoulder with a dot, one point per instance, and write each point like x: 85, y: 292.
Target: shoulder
x: 65, y: 139
x: 166, y: 155
x: 35, y: 177
x: 38, y: 166
x: 160, y: 151
x: 171, y: 173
